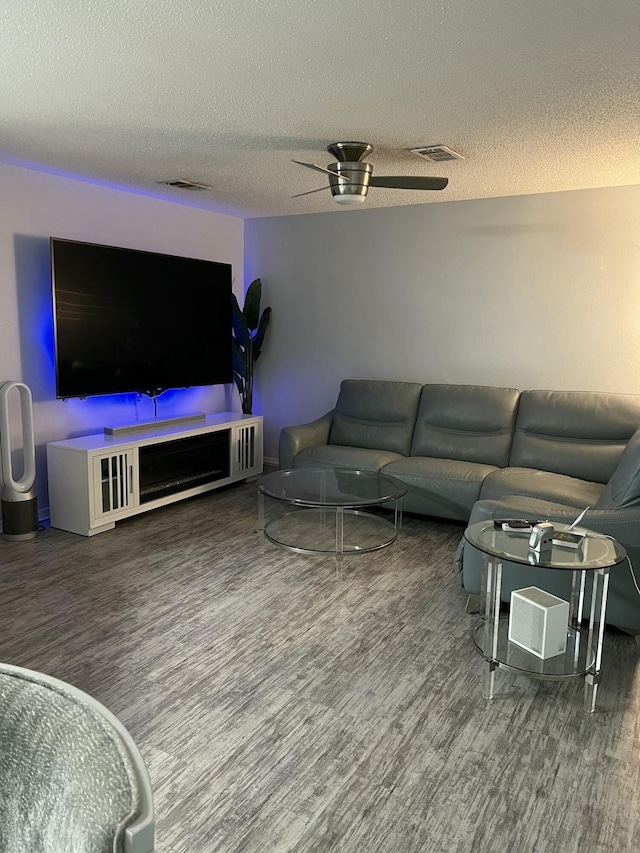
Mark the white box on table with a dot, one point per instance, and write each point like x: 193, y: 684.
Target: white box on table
x: 538, y: 622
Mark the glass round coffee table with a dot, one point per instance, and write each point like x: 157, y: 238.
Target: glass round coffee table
x: 582, y: 658
x: 328, y: 513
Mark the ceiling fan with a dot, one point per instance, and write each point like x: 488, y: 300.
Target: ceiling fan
x: 350, y: 178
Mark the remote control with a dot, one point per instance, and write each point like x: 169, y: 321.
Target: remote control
x: 518, y: 525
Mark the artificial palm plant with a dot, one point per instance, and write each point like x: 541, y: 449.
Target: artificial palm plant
x: 249, y: 327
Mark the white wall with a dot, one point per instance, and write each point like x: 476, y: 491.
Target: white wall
x: 530, y: 292
x: 36, y: 206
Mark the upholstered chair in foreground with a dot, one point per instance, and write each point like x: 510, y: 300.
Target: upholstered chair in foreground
x: 71, y: 778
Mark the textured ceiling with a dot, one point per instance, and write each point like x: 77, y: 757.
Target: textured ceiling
x: 539, y: 96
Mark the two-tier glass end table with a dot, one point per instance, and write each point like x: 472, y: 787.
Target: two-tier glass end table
x: 596, y: 556
x: 329, y: 510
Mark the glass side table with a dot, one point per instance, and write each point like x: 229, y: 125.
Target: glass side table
x: 583, y: 656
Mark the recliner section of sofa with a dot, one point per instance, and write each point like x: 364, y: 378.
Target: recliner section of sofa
x: 573, y: 440
x: 371, y: 426
x: 462, y: 434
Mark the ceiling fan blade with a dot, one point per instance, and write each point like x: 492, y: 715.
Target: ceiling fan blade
x: 319, y: 190
x: 321, y: 169
x: 406, y: 182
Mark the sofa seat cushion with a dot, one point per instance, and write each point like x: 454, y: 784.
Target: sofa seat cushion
x: 520, y: 506
x: 446, y: 488
x: 558, y: 488
x: 337, y: 456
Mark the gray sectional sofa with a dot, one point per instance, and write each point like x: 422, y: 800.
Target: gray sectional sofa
x: 468, y: 452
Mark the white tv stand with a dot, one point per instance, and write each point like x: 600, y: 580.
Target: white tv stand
x: 96, y: 480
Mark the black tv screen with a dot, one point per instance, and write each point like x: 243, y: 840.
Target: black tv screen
x: 133, y: 321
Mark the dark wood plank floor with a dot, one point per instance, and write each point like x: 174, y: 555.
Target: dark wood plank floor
x: 281, y: 709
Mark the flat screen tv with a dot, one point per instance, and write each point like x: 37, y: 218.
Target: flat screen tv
x: 133, y: 321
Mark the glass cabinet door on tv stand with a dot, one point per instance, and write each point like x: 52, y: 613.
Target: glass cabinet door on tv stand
x: 114, y: 484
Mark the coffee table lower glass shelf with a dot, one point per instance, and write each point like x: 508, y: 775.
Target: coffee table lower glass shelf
x: 313, y: 531
x: 329, y: 514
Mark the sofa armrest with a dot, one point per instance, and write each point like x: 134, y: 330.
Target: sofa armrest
x: 622, y: 524
x: 293, y: 439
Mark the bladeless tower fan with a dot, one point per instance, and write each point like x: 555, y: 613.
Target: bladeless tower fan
x: 19, y: 502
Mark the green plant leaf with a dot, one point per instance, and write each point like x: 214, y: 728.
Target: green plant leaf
x: 262, y: 328
x: 252, y: 304
x: 249, y: 329
x: 238, y: 323
x: 239, y: 384
x: 239, y: 364
x: 237, y: 347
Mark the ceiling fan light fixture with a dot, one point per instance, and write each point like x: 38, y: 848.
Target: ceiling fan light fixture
x: 350, y: 199
x: 353, y: 190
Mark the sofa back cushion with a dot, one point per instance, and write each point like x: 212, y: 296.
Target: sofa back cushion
x: 578, y: 433
x: 623, y: 489
x: 471, y: 423
x: 375, y: 414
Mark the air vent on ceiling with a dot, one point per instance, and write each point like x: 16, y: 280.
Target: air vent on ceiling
x: 183, y: 184
x: 437, y: 153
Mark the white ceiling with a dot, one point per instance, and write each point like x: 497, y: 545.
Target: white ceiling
x: 539, y: 96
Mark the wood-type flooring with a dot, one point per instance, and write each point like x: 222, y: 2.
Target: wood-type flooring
x: 282, y: 710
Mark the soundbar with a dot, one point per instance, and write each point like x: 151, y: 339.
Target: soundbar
x: 154, y: 424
